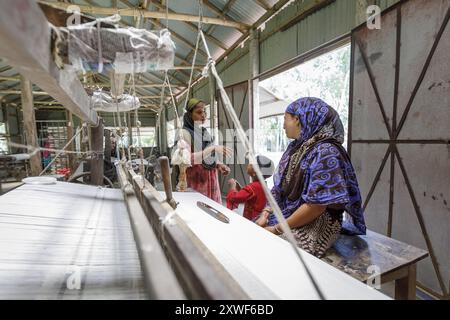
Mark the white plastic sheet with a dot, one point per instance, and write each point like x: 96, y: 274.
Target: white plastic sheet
x: 94, y: 46
x: 101, y: 101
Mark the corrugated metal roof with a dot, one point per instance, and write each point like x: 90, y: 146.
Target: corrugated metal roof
x: 7, y: 71
x: 218, y: 37
x: 246, y: 11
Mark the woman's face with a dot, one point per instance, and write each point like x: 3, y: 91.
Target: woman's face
x: 291, y: 126
x: 199, y: 114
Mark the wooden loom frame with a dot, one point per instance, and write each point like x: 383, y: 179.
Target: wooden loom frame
x: 197, y: 271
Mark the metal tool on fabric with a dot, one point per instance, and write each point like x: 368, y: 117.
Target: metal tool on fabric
x: 213, y: 212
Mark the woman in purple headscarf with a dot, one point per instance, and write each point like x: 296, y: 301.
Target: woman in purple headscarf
x: 315, y: 181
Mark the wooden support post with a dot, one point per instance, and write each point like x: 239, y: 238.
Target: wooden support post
x: 130, y: 130
x: 85, y: 137
x: 165, y: 172
x: 253, y: 86
x: 29, y: 126
x: 70, y: 147
x: 405, y: 288
x: 108, y: 145
x: 163, y: 132
x: 96, y: 166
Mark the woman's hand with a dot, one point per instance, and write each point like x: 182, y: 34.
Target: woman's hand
x: 225, y: 151
x: 263, y: 219
x: 271, y: 229
x: 208, y: 150
x: 232, y: 184
x: 276, y: 230
x: 223, y: 169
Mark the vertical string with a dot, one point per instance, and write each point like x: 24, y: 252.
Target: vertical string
x: 167, y: 14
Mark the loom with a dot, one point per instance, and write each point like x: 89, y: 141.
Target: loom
x: 94, y: 242
x: 71, y: 241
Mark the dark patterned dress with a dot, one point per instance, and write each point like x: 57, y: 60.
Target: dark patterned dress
x: 319, y: 235
x: 205, y: 181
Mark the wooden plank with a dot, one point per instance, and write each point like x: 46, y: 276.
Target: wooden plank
x: 394, y: 275
x: 133, y: 12
x: 15, y: 79
x: 143, y: 85
x: 191, y: 25
x: 199, y: 272
x: 160, y: 280
x: 355, y: 254
x: 149, y: 97
x: 35, y: 93
x: 25, y: 29
x: 29, y: 126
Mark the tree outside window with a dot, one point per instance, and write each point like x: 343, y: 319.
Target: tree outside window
x: 326, y: 77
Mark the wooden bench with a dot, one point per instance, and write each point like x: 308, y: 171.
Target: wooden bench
x: 394, y: 260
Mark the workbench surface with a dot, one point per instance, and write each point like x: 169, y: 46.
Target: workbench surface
x: 265, y: 265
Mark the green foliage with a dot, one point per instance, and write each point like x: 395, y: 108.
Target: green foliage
x: 326, y: 77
